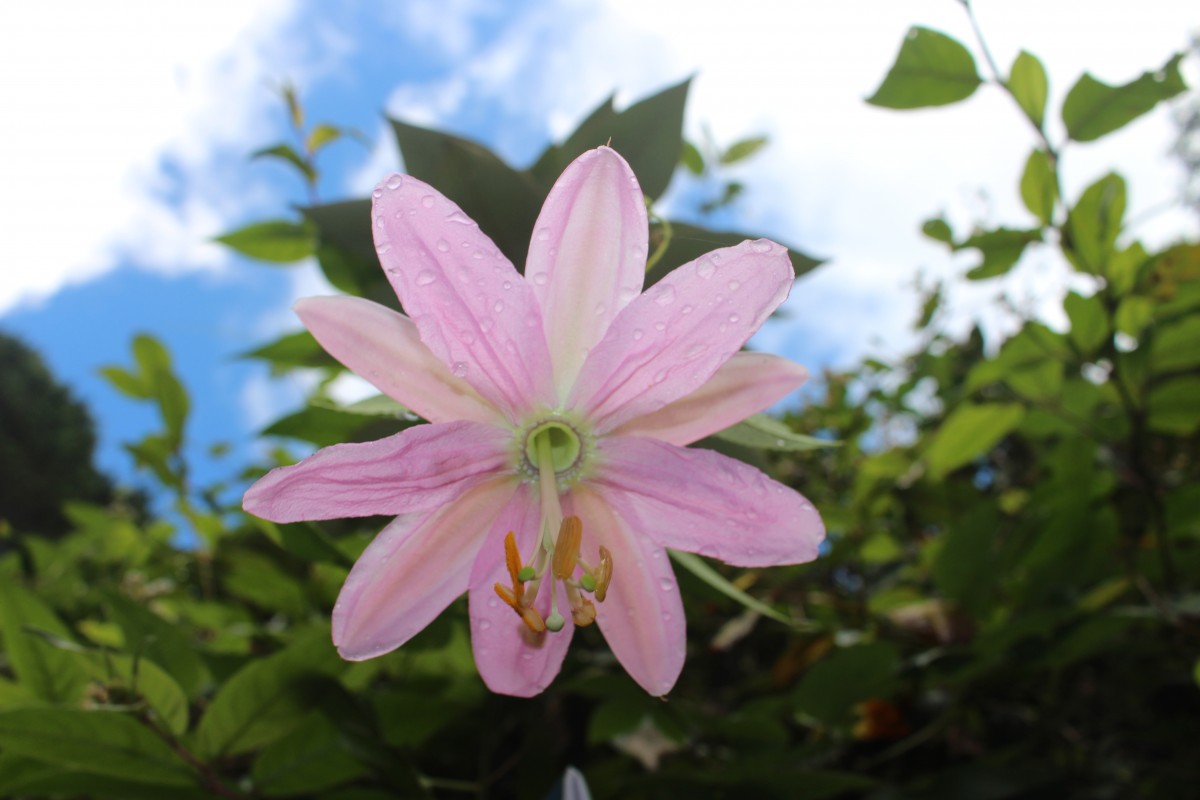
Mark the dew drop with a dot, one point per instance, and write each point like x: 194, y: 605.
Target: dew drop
x: 665, y: 296
x: 459, y: 217
x: 665, y: 585
x: 459, y: 368
x: 427, y: 201
x: 467, y: 338
x: 498, y: 306
x: 695, y: 350
x: 477, y: 255
x: 484, y: 624
x: 378, y: 193
x: 543, y: 234
x: 486, y: 324
x: 626, y: 294
x: 637, y: 334
x: 599, y: 309
x: 506, y: 286
x: 760, y: 246
x: 734, y: 318
x: 443, y: 246
x: 661, y: 375
x: 660, y: 326
x: 394, y: 182
x: 425, y: 277
x: 687, y: 310
x: 493, y: 602
x: 383, y: 247
x: 706, y: 268
x: 734, y: 285
x: 540, y: 278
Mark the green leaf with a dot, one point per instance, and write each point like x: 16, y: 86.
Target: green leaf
x: 1134, y: 314
x: 327, y: 426
x: 743, y: 149
x: 831, y: 689
x: 306, y: 541
x: 298, y: 349
x: 162, y: 642
x: 1093, y: 109
x: 1039, y: 186
x: 765, y: 432
x: 322, y: 135
x: 938, y: 230
x: 146, y: 679
x: 502, y: 200
x: 126, y: 382
x: 692, y: 159
x: 931, y: 69
x: 286, y: 153
x: 969, y: 432
x: 1089, y: 323
x: 1028, y: 84
x: 379, y: 405
x: 47, y: 672
x: 106, y: 743
x: 345, y: 249
x: 1094, y: 224
x: 648, y: 135
x: 266, y: 699
x: 1001, y: 249
x: 964, y: 567
x: 698, y: 567
x: 276, y: 241
x: 256, y: 579
x: 1174, y: 408
x: 1177, y: 346
x: 307, y: 760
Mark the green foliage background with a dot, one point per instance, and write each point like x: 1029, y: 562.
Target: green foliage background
x: 1009, y: 605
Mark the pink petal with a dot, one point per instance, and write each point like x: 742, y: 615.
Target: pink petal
x: 744, y: 385
x: 471, y: 307
x: 587, y: 259
x: 670, y: 340
x: 511, y: 658
x: 642, y: 617
x: 704, y: 502
x: 412, y: 570
x: 383, y: 347
x: 416, y: 470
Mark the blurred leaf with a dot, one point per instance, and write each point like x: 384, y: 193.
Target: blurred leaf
x: 162, y: 642
x: 692, y: 159
x: 698, y: 567
x: 126, y: 382
x: 324, y: 426
x: 44, y: 670
x: 1177, y: 346
x: 306, y: 541
x: 765, y: 432
x: 648, y: 135
x: 1174, y: 408
x: 257, y: 580
x: 615, y: 717
x: 345, y: 249
x: 1093, y: 109
x: 322, y: 135
x: 743, y: 149
x: 1094, y: 224
x: 379, y: 405
x: 931, y: 69
x: 830, y: 690
x: 969, y: 432
x: 964, y: 569
x: 1001, y: 249
x: 1028, y: 84
x: 938, y: 230
x: 286, y: 153
x: 275, y: 241
x: 502, y: 200
x: 297, y: 349
x: 1089, y: 323
x: 295, y: 111
x: 309, y: 759
x: 265, y: 700
x: 1134, y: 314
x: 1039, y: 186
x: 146, y: 679
x: 105, y: 743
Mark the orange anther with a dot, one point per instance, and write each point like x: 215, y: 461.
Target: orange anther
x: 603, y: 574
x: 512, y: 559
x: 584, y: 614
x: 566, y: 549
x: 533, y: 620
x: 507, y: 595
x: 529, y: 615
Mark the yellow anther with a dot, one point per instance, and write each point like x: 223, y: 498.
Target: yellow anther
x: 603, y: 574
x: 512, y: 559
x: 584, y: 614
x: 528, y: 614
x: 566, y: 550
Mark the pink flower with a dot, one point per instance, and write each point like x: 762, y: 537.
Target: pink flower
x: 560, y: 404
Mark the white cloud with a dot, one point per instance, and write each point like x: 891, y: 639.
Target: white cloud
x: 126, y: 130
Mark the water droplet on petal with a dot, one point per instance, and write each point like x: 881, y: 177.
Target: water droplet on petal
x: 599, y: 309
x: 460, y: 218
x: 498, y: 306
x: 443, y: 246
x: 477, y: 255
x: 626, y: 294
x: 734, y: 318
x: 395, y: 182
x: 459, y: 368
x: 484, y: 624
x: 706, y: 268
x: 540, y: 278
x: 543, y: 234
x: 735, y: 285
x: 506, y: 286
x: 665, y: 295
x: 637, y: 334
x: 761, y: 246
x: 695, y: 350
x: 687, y: 310
x: 665, y: 585
x: 493, y: 602
x: 486, y: 324
x: 427, y: 201
x: 425, y: 277
x: 378, y: 193
x: 467, y: 338
x: 661, y: 375
x: 660, y: 326
x: 383, y: 247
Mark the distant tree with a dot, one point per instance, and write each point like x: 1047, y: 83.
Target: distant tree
x: 47, y: 440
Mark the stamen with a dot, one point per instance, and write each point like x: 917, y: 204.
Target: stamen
x: 512, y: 558
x: 603, y: 574
x: 530, y: 616
x: 585, y: 613
x: 566, y: 550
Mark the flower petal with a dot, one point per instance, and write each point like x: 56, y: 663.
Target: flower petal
x: 587, y: 259
x: 412, y: 570
x: 744, y: 385
x: 382, y: 347
x: 417, y: 469
x: 707, y: 503
x: 670, y: 340
x: 471, y: 307
x: 642, y: 617
x: 511, y: 658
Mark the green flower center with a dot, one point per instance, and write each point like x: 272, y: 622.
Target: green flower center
x: 562, y: 442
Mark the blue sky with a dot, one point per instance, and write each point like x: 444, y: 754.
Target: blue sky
x: 137, y: 120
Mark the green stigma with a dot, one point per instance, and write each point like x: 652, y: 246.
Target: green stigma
x: 560, y: 439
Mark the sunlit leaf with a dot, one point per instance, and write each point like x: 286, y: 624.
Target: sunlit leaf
x: 743, y: 149
x: 969, y: 432
x: 1094, y: 224
x: 47, y: 672
x: 1028, y: 84
x: 697, y: 566
x: 1039, y: 186
x: 1093, y: 109
x: 765, y: 432
x: 931, y: 69
x: 275, y: 241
